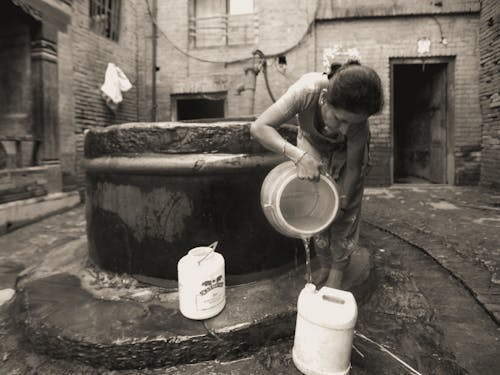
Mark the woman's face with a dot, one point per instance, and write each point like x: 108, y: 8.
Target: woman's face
x: 338, y: 119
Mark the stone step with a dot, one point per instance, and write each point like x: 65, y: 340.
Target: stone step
x: 64, y: 315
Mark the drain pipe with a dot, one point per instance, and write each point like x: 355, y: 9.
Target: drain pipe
x: 247, y: 90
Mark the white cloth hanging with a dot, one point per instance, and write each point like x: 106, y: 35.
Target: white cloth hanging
x: 115, y: 82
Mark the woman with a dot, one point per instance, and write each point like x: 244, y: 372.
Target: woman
x: 332, y: 111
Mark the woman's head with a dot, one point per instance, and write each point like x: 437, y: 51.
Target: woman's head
x: 355, y: 88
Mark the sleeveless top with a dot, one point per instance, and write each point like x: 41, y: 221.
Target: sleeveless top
x: 301, y: 100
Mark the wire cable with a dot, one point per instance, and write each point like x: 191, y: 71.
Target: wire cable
x: 234, y: 61
x: 263, y: 63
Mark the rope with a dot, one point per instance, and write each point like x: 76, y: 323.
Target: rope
x: 385, y: 350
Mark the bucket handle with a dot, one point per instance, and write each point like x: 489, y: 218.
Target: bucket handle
x: 212, y: 246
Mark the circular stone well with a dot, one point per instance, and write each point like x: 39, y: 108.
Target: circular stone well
x: 156, y: 190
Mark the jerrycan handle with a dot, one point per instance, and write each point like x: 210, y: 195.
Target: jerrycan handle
x: 211, y: 246
x: 334, y: 299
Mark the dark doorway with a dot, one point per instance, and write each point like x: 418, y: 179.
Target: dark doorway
x: 420, y: 122
x: 16, y: 87
x: 191, y: 109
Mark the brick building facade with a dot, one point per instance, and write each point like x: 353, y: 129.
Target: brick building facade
x: 54, y: 58
x: 90, y: 54
x: 489, y: 91
x: 210, y: 55
x: 217, y: 70
x: 430, y: 48
x: 387, y: 34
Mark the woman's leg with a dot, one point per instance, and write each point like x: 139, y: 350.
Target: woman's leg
x: 334, y: 248
x: 344, y: 231
x: 343, y: 240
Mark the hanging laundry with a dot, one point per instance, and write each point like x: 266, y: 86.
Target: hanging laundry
x: 115, y: 82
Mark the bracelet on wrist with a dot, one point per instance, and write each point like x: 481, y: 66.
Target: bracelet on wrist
x: 300, y: 157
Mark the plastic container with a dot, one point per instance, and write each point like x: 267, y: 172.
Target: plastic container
x: 298, y: 208
x: 202, y: 284
x: 324, y: 331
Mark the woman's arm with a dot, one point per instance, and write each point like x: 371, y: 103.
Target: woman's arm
x: 297, y: 98
x: 264, y: 130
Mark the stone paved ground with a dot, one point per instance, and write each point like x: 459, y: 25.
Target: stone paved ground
x: 436, y: 252
x: 458, y: 226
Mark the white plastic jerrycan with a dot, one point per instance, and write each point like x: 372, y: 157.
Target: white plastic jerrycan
x: 324, y: 331
x: 202, y: 284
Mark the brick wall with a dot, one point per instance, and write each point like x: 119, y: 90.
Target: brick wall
x: 375, y: 39
x: 83, y: 58
x: 489, y: 90
x: 278, y: 27
x: 378, y: 38
x: 329, y: 9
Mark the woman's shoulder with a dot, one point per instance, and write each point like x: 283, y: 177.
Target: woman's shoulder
x: 311, y: 82
x: 307, y: 88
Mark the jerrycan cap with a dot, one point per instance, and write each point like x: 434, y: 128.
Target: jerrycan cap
x: 310, y: 287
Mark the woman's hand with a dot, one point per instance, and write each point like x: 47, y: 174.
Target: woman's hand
x: 308, y: 168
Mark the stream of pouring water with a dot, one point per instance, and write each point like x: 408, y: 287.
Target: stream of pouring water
x: 306, y: 241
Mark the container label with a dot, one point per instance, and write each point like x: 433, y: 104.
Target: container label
x: 211, y: 294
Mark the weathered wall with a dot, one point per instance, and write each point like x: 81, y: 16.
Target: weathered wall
x: 331, y: 9
x: 374, y: 38
x: 81, y: 56
x: 279, y: 28
x: 84, y: 56
x: 370, y: 27
x: 489, y: 86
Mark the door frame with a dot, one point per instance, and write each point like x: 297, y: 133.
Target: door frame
x: 449, y: 61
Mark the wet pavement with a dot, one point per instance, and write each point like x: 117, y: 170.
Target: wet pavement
x: 459, y: 227
x: 434, y: 302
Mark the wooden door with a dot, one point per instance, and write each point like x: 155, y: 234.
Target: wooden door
x: 437, y: 123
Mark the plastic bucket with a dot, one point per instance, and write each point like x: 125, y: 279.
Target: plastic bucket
x: 298, y: 208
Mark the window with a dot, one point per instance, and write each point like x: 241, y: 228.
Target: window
x: 105, y: 17
x: 240, y: 7
x: 222, y: 22
x: 210, y: 105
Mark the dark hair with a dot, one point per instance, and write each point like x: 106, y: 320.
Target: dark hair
x: 355, y: 88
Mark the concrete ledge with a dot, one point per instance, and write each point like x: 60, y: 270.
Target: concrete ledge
x: 16, y: 214
x: 104, y: 323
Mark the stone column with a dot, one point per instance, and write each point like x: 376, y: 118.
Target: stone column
x: 45, y: 99
x: 45, y: 90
